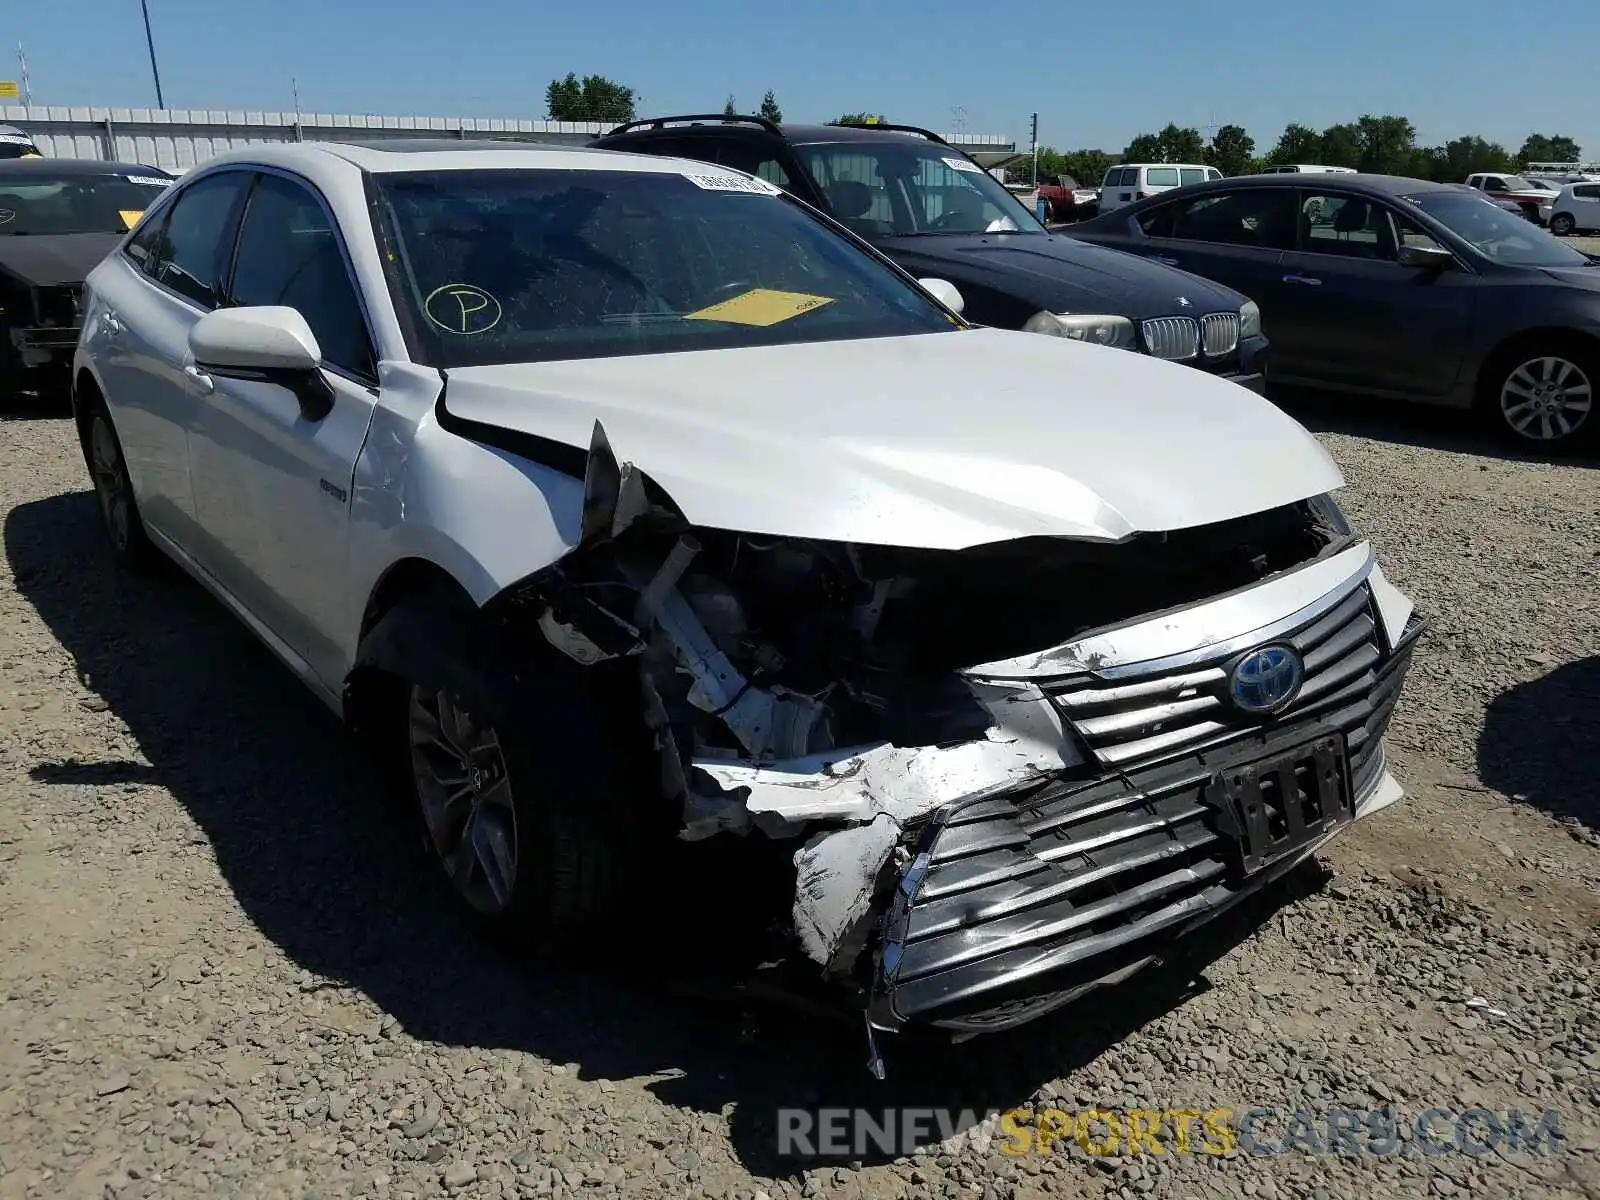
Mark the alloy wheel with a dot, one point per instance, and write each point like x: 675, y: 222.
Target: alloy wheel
x: 1546, y: 399
x: 465, y: 794
x: 111, y: 484
x: 1561, y: 225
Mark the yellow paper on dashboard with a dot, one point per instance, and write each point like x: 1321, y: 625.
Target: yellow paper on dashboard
x: 130, y: 216
x: 761, y: 306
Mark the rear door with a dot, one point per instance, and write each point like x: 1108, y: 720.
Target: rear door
x: 168, y: 277
x: 1237, y: 238
x: 1119, y: 187
x: 1360, y: 318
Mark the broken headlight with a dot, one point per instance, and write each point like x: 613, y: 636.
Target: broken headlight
x: 1249, y: 320
x: 1330, y: 516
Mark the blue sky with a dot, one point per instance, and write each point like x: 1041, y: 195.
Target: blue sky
x: 1096, y: 73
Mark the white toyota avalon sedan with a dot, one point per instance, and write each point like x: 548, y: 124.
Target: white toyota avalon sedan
x: 608, y: 497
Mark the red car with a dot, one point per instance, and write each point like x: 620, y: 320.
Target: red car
x: 1534, y: 199
x: 1068, y: 200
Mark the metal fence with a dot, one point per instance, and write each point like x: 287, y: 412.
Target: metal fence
x: 178, y: 138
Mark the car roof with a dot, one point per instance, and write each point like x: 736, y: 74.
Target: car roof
x: 1191, y: 166
x: 797, y: 134
x: 453, y: 154
x: 56, y: 167
x: 1371, y: 185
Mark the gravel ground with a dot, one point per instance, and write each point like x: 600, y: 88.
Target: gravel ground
x: 220, y: 977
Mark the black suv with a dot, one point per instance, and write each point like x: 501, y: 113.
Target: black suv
x: 936, y: 213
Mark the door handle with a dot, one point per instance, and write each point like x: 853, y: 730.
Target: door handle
x: 1308, y: 280
x: 199, y: 378
x: 1162, y: 258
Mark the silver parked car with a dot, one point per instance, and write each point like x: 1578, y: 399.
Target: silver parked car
x: 602, y: 492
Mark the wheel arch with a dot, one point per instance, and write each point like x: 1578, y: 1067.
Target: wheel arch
x: 1524, y: 341
x: 85, y: 388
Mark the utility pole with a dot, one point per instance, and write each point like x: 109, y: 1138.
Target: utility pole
x: 27, y: 88
x: 150, y: 42
x: 1033, y: 139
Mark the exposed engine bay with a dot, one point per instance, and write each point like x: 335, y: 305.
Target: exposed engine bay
x: 834, y: 694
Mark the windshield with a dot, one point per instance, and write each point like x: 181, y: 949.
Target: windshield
x: 75, y: 203
x: 1516, y: 183
x: 1504, y: 236
x: 903, y: 187
x: 527, y: 266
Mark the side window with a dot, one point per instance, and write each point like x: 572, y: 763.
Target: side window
x: 754, y: 160
x: 1192, y: 175
x: 1259, y: 217
x: 1349, y: 226
x: 289, y: 254
x: 145, y: 246
x: 1587, y: 193
x: 1494, y: 183
x: 1161, y: 177
x: 1213, y: 173
x: 855, y: 188
x: 1409, y: 233
x: 1160, y: 221
x: 192, y: 256
x: 1113, y: 178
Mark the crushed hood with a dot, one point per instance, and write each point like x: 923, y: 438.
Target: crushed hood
x: 942, y: 440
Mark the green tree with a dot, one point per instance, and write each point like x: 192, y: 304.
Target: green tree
x: 1088, y: 167
x: 1541, y: 147
x: 1388, y: 144
x: 593, y: 98
x: 1174, y: 143
x: 1461, y: 156
x: 1339, y: 146
x: 1297, y: 144
x: 770, y: 109
x: 730, y: 109
x: 860, y: 119
x: 1232, y: 150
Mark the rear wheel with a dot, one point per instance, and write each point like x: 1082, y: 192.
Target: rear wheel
x: 1542, y: 396
x: 113, y: 489
x: 1562, y: 225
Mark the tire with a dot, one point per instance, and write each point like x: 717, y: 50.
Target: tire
x: 1542, y: 395
x: 119, y: 508
x: 1562, y: 225
x: 531, y: 784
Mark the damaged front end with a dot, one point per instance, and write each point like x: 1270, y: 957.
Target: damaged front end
x: 985, y: 829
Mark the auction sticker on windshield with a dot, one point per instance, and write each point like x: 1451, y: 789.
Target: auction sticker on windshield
x: 149, y: 180
x: 130, y: 216
x: 735, y: 183
x: 961, y: 164
x: 762, y: 306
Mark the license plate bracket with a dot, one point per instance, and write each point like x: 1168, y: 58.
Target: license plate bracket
x: 1275, y: 806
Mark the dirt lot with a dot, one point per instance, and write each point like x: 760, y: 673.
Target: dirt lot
x: 219, y: 974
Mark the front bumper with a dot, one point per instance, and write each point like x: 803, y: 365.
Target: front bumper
x: 1018, y: 902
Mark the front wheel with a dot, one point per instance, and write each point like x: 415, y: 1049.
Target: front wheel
x: 1562, y: 225
x: 1544, y: 399
x: 537, y: 816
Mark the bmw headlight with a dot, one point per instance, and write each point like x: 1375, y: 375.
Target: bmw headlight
x: 1249, y: 319
x: 1100, y: 329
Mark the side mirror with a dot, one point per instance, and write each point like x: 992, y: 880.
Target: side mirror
x: 1429, y: 258
x: 264, y: 345
x: 944, y: 292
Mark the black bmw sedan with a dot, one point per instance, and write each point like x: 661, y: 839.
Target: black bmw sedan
x: 1394, y: 287
x: 936, y: 213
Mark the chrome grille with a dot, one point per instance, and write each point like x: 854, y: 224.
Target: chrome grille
x: 1219, y: 334
x: 1143, y: 719
x: 1171, y: 337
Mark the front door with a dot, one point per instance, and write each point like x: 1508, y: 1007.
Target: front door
x: 272, y: 483
x: 1364, y: 319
